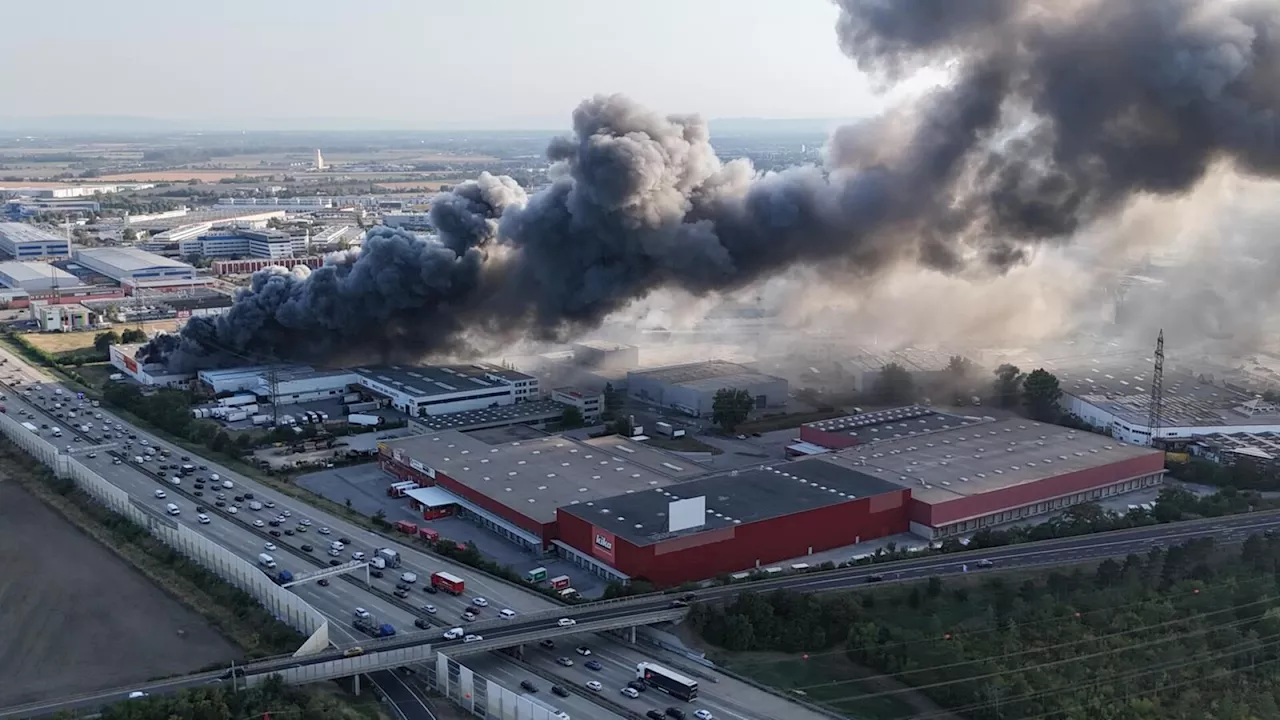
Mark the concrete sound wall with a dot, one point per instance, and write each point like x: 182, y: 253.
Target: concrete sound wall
x: 283, y: 604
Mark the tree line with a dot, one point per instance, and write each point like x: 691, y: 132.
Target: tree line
x: 1188, y: 632
x: 216, y: 702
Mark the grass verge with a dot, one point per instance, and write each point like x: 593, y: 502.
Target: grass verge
x: 830, y: 680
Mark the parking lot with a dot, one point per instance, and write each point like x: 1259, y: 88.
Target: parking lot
x: 366, y: 487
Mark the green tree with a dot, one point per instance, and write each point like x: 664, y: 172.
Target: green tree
x: 959, y: 367
x: 1040, y: 395
x: 1008, y: 385
x: 730, y: 408
x: 104, y: 340
x: 571, y: 418
x: 894, y: 386
x: 133, y: 335
x: 622, y: 426
x: 613, y: 401
x: 129, y: 235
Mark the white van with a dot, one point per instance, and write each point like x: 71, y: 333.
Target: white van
x: 335, y: 545
x: 255, y: 505
x: 226, y: 484
x: 175, y: 480
x: 138, y: 459
x: 409, y: 578
x: 172, y: 509
x: 214, y: 477
x: 266, y: 561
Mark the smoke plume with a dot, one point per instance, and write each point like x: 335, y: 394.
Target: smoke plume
x: 1058, y: 115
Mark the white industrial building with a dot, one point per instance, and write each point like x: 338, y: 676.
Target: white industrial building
x: 588, y: 402
x: 133, y: 266
x: 691, y: 388
x: 1117, y: 398
x: 600, y: 355
x: 27, y: 242
x: 434, y: 390
x: 245, y: 243
x: 408, y: 221
x: 123, y: 359
x: 35, y: 276
x: 304, y: 385
x: 241, y: 379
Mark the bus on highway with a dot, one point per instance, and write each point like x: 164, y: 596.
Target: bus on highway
x: 668, y: 681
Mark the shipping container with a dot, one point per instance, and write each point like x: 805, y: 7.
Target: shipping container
x: 237, y: 400
x: 365, y: 420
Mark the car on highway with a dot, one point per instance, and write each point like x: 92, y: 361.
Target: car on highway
x: 422, y: 624
x: 594, y: 686
x: 875, y: 578
x: 335, y: 563
x: 137, y: 694
x: 675, y: 713
x: 655, y: 715
x: 430, y: 589
x: 429, y: 609
x: 323, y: 582
x: 583, y: 650
x: 286, y: 513
x: 275, y: 523
x: 287, y: 531
x: 559, y: 691
x: 353, y: 652
x: 528, y: 686
x: 93, y: 455
x: 344, y: 541
x: 204, y: 519
x: 301, y: 528
x: 637, y: 685
x: 594, y: 665
x: 565, y: 622
x: 400, y: 593
x: 258, y: 523
x: 233, y: 509
x: 322, y: 531
x: 308, y: 548
x: 985, y: 563
x: 472, y: 638
x: 268, y: 504
x: 453, y: 634
x: 362, y: 613
x: 115, y: 461
x: 357, y: 556
x: 630, y: 692
x: 479, y: 602
x: 507, y: 613
x: 564, y: 661
x: 274, y: 533
x: 703, y: 714
x: 204, y: 467
x: 304, y: 521
x: 548, y: 643
x: 375, y: 573
x: 269, y: 546
x: 161, y: 494
x: 198, y: 493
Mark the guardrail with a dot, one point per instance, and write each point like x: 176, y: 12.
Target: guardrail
x: 284, y: 605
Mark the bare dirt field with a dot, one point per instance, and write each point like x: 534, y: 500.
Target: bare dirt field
x: 209, y: 176
x: 56, y: 342
x: 76, y: 618
x: 413, y: 184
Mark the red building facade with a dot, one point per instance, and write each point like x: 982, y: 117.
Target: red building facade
x: 710, y: 553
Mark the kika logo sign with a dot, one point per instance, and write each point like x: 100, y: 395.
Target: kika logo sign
x: 604, y: 543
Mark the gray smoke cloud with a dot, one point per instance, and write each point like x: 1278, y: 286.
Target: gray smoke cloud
x: 1057, y: 115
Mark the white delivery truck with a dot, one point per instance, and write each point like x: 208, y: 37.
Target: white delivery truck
x: 255, y: 505
x: 266, y: 561
x: 172, y: 509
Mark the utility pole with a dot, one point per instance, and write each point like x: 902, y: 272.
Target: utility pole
x: 1156, y: 405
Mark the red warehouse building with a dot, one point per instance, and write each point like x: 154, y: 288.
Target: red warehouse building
x: 994, y: 473
x: 726, y: 523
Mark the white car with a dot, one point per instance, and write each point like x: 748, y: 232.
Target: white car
x: 508, y: 613
x: 479, y: 602
x: 304, y: 521
x: 630, y: 692
x: 703, y: 715
x: 357, y: 556
x: 144, y: 441
x: 429, y: 609
x: 161, y: 494
x: 204, y: 519
x: 259, y: 523
x: 233, y: 509
x: 269, y: 546
x: 362, y: 613
x: 286, y: 513
x: 566, y: 622
x: 137, y: 694
x: 594, y: 685
x: 453, y: 634
x: 472, y: 638
x: 322, y: 531
x: 268, y: 504
x: 334, y: 552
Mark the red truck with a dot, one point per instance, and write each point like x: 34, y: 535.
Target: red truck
x: 560, y: 582
x: 448, y: 583
x: 406, y: 527
x: 428, y: 534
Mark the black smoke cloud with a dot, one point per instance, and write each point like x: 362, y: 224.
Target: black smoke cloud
x: 1058, y: 114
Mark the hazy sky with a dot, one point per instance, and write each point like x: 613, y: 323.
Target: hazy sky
x: 424, y: 63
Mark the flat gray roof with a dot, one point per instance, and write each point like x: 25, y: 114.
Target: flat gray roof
x: 694, y: 372
x: 517, y: 413
x: 893, y: 423
x: 981, y: 458
x: 27, y: 271
x: 534, y: 477
x: 732, y: 499
x: 428, y: 380
x: 23, y: 233
x: 1124, y: 390
x: 127, y: 259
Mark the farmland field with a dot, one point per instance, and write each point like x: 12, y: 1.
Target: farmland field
x: 56, y: 342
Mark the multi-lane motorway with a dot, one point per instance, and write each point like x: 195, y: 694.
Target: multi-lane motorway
x: 723, y: 696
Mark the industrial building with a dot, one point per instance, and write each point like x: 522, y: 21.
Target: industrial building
x: 434, y: 390
x: 904, y: 422
x: 1117, y: 399
x: 237, y: 242
x: 588, y: 402
x: 137, y: 269
x: 535, y: 413
x: 599, y: 355
x: 729, y: 522
x: 514, y: 486
x: 35, y: 276
x: 27, y: 242
x: 248, y: 267
x: 62, y: 317
x: 691, y: 388
x: 123, y: 358
x: 1260, y: 447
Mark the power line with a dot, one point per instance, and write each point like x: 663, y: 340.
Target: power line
x: 1061, y: 661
